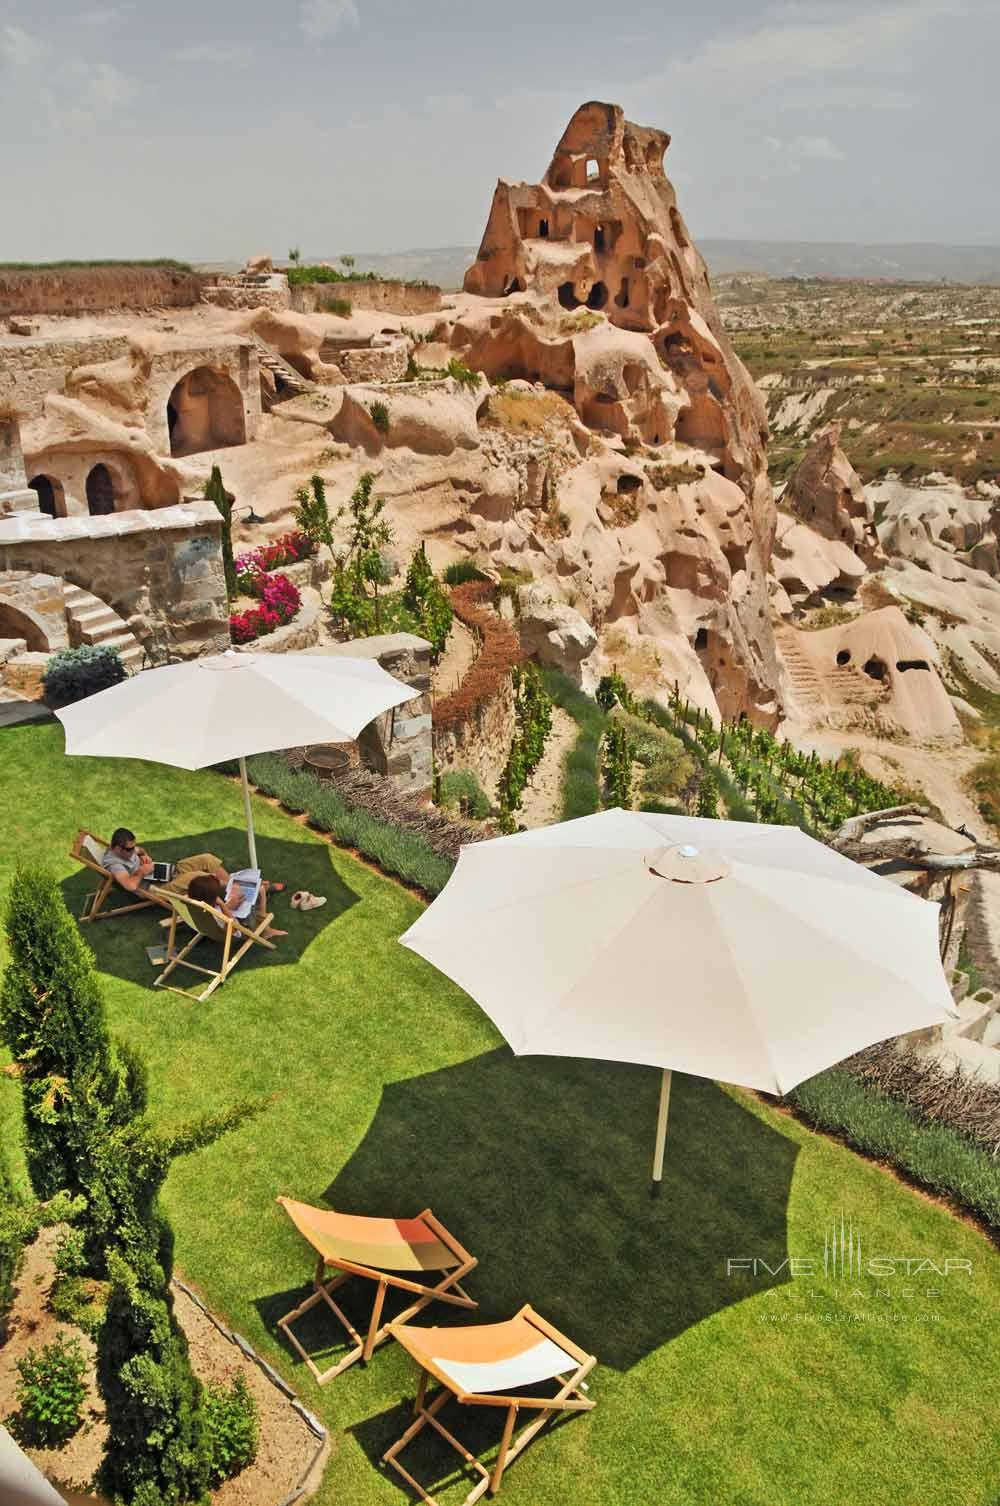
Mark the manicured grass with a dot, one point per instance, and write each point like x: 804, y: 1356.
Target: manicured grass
x: 391, y: 1092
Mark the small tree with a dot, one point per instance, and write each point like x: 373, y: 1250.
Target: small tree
x: 216, y: 492
x: 348, y: 262
x: 312, y: 514
x: 159, y: 1446
x: 294, y: 255
x: 369, y: 533
x: 52, y: 1020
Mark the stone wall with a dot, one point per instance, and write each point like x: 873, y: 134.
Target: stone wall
x: 229, y: 356
x: 398, y: 744
x: 15, y: 494
x: 161, y: 571
x: 372, y: 363
x: 246, y: 291
x: 361, y: 293
x: 41, y: 364
x: 32, y: 607
x: 482, y: 743
x: 80, y: 290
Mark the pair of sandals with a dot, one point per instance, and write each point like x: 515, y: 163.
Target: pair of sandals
x: 303, y: 900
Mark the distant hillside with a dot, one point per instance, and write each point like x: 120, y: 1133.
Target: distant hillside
x: 446, y: 265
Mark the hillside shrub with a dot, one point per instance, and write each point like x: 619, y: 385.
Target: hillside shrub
x: 379, y: 412
x: 424, y: 596
x: 50, y: 1392
x: 533, y: 722
x: 581, y: 791
x: 461, y: 790
x: 932, y: 1154
x: 233, y: 1421
x: 342, y: 307
x: 403, y: 854
x: 74, y: 673
x: 460, y: 572
x: 616, y: 752
x: 462, y: 374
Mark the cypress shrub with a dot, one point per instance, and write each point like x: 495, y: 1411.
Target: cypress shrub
x: 159, y: 1449
x: 52, y: 1020
x: 216, y: 492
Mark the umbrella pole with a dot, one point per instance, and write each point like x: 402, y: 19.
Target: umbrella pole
x: 661, y: 1133
x: 248, y: 812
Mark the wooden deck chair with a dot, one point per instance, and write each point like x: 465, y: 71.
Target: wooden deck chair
x: 379, y: 1249
x: 486, y: 1366
x: 208, y: 924
x: 88, y: 851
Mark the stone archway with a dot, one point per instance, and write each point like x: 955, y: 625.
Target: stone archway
x: 51, y: 496
x: 205, y: 412
x: 100, y: 491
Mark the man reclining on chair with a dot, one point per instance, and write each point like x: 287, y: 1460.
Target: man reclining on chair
x: 132, y: 865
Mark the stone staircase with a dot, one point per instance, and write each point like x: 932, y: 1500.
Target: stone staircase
x: 90, y: 620
x: 806, y: 685
x: 287, y: 381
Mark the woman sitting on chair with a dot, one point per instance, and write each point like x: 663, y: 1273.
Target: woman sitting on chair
x: 207, y: 888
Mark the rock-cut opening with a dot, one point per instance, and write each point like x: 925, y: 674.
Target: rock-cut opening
x: 844, y: 657
x: 904, y: 664
x: 876, y: 668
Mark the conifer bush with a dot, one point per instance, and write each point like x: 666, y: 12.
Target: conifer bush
x: 75, y: 673
x: 50, y: 1392
x: 233, y: 1421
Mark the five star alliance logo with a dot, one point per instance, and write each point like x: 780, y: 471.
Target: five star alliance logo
x: 842, y: 1251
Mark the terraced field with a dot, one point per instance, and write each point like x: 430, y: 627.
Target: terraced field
x: 912, y: 371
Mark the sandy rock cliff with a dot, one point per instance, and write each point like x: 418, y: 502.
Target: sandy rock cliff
x: 646, y: 502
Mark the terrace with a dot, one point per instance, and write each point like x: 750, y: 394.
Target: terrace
x: 390, y: 1091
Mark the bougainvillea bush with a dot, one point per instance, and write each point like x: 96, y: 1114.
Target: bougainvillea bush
x: 286, y: 550
x: 279, y: 601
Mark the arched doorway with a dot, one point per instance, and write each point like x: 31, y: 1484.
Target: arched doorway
x: 205, y: 412
x: 16, y: 622
x: 100, y: 491
x: 51, y: 497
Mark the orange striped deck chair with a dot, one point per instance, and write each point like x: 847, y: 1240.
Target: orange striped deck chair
x: 487, y: 1366
x: 394, y: 1252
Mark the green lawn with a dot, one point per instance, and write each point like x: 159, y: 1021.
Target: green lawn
x: 391, y: 1091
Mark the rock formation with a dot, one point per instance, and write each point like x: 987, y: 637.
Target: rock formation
x: 588, y: 283
x: 826, y: 492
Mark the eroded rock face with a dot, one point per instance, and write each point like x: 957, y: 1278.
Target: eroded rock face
x: 588, y: 283
x: 826, y: 492
x: 553, y: 632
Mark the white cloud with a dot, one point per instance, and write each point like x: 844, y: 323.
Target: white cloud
x: 807, y: 149
x: 322, y: 18
x: 224, y: 54
x: 809, y: 40
x: 81, y: 94
x: 19, y: 49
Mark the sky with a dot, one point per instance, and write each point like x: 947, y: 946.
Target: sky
x: 215, y: 130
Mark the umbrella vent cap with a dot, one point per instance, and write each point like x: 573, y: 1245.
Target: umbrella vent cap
x: 683, y: 863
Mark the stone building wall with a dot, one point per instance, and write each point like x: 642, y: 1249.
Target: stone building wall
x: 398, y: 744
x: 32, y: 607
x: 41, y: 364
x: 378, y: 296
x: 482, y: 743
x: 161, y: 571
x: 230, y: 357
x: 244, y: 291
x: 374, y: 363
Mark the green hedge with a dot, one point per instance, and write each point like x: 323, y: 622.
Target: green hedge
x: 880, y: 1126
x: 402, y: 853
x: 581, y: 794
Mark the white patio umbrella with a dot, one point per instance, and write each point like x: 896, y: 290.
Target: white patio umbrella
x: 231, y: 705
x: 748, y: 953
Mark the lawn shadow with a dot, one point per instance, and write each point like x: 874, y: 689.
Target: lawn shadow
x: 540, y: 1166
x: 119, y: 944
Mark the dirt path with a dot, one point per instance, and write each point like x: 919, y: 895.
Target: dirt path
x: 542, y: 803
x: 459, y: 653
